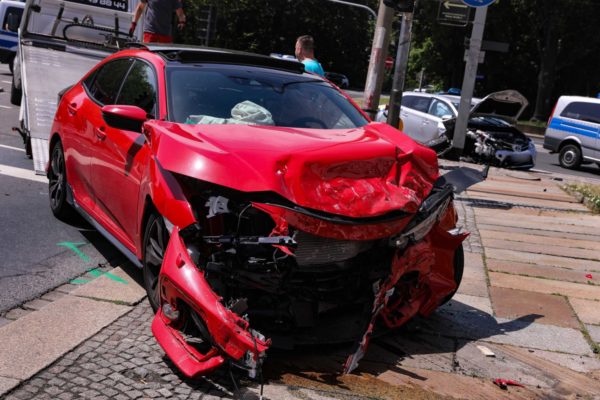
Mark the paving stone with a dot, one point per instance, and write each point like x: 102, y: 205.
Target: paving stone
x: 66, y: 288
x: 536, y: 271
x: 574, y: 362
x: 480, y: 304
x: 594, y: 332
x: 548, y: 286
x: 7, y: 384
x: 588, y: 311
x: 548, y: 249
x: 552, y: 310
x: 532, y: 230
x: 543, y: 259
x: 536, y: 238
x: 526, y: 202
x: 53, y: 295
x: 464, y: 322
x: 116, y: 285
x: 471, y: 362
x: 17, y: 313
x: 473, y: 287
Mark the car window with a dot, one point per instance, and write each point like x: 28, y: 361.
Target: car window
x: 139, y: 88
x: 105, y: 83
x: 256, y: 96
x: 418, y: 103
x: 439, y: 109
x: 589, y: 112
x: 12, y: 18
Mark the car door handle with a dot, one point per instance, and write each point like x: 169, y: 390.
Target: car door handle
x: 72, y: 108
x: 100, y: 133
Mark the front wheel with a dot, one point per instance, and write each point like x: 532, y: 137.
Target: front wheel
x: 15, y: 93
x: 57, y: 185
x: 459, y: 267
x: 570, y: 156
x: 156, y: 238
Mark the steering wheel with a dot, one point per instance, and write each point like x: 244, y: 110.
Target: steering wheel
x: 301, y: 122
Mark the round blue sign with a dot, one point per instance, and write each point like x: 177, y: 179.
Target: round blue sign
x: 478, y: 3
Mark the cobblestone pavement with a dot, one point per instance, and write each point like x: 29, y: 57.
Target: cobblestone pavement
x: 121, y: 362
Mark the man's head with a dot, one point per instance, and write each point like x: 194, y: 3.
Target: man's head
x: 305, y: 47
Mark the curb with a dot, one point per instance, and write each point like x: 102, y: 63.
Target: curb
x: 59, y: 321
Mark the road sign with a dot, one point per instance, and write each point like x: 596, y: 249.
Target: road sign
x: 453, y: 13
x: 478, y: 3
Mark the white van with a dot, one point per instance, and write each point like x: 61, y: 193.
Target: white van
x: 574, y: 131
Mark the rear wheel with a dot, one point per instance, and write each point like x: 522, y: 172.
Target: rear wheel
x: 15, y: 94
x: 570, y: 156
x: 155, y: 244
x: 11, y: 63
x: 57, y: 184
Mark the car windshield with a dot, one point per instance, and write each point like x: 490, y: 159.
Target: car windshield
x: 225, y: 94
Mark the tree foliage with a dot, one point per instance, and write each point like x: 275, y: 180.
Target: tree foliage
x: 553, y: 43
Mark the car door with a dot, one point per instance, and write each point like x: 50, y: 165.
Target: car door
x: 414, y: 110
x: 582, y: 119
x: 439, y: 110
x: 118, y: 166
x: 80, y: 108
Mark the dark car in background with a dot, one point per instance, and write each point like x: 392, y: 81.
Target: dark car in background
x: 340, y: 80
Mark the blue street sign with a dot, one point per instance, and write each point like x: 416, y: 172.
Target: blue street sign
x: 478, y: 3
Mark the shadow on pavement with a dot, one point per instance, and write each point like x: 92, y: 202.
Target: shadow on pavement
x: 444, y: 333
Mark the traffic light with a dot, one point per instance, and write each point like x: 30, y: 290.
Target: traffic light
x: 401, y: 5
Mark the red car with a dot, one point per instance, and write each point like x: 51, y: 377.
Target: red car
x: 262, y: 204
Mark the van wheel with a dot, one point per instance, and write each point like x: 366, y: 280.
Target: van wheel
x: 570, y: 156
x: 15, y: 94
x: 11, y: 63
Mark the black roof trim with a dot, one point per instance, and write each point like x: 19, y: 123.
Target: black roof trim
x: 196, y: 54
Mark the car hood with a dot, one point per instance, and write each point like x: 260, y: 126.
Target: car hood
x: 507, y: 104
x: 361, y: 172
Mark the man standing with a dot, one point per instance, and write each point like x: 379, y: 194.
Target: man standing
x: 305, y: 53
x: 158, y: 18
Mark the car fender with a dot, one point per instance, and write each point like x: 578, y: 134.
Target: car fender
x: 570, y: 138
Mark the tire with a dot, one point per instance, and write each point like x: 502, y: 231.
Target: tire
x: 15, y: 94
x: 459, y: 267
x: 570, y: 156
x: 11, y: 63
x: 57, y: 185
x: 154, y: 246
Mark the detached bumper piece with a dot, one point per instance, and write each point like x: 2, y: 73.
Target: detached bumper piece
x: 222, y: 332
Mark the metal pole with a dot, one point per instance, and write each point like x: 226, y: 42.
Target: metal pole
x: 466, y: 94
x: 355, y: 5
x: 400, y: 70
x: 421, y: 78
x: 381, y: 42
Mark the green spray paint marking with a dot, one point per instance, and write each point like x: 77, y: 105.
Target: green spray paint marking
x: 74, y: 246
x: 97, y: 273
x: 79, y: 281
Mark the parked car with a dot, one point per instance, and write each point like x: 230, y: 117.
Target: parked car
x: 262, y: 205
x: 491, y: 136
x: 340, y: 80
x: 574, y: 131
x: 10, y: 16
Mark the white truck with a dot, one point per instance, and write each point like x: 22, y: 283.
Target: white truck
x: 58, y: 42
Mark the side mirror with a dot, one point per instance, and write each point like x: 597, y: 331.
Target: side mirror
x: 128, y: 118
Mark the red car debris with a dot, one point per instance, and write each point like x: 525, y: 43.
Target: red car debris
x: 262, y: 204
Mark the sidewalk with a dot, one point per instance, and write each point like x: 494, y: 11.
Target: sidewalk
x: 530, y: 295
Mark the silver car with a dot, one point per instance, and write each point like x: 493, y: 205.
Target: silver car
x: 491, y: 136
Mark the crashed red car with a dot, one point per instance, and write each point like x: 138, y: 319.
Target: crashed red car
x: 264, y: 207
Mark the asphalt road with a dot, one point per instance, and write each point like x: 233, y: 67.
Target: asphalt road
x: 549, y: 162
x: 37, y: 251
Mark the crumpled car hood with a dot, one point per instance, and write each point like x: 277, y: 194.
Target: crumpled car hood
x: 359, y: 173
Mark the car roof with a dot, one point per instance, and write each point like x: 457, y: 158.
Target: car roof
x: 172, y: 53
x: 580, y: 98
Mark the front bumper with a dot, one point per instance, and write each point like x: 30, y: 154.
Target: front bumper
x: 524, y: 159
